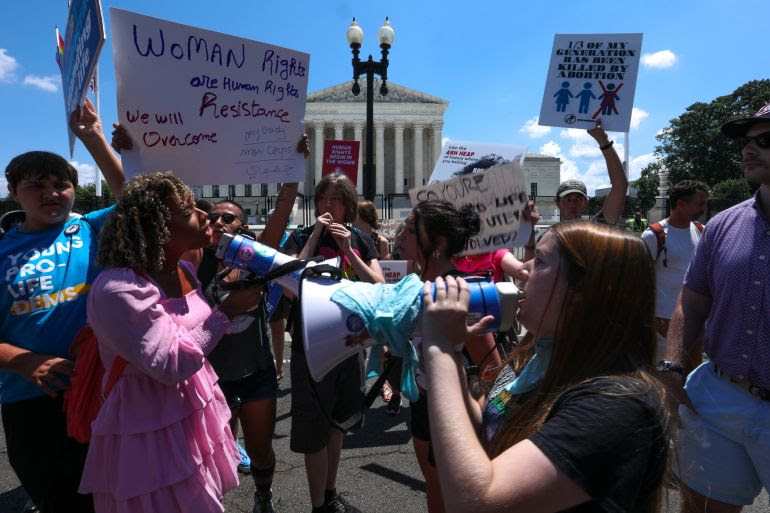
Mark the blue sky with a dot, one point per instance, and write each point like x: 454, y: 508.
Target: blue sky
x: 489, y: 59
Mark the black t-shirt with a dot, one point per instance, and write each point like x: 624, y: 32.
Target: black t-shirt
x: 608, y: 436
x: 361, y: 243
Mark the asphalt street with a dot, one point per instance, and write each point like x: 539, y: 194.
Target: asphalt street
x: 378, y: 472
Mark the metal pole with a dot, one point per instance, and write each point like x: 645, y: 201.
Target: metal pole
x: 626, y: 162
x: 369, y: 169
x: 98, y: 173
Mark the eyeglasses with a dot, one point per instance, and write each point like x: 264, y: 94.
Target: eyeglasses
x: 762, y: 140
x: 226, y: 218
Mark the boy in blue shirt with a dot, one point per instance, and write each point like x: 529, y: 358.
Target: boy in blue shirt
x: 47, y: 265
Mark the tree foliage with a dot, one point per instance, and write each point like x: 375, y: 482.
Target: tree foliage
x: 693, y: 147
x: 733, y: 188
x: 647, y: 185
x: 86, y: 193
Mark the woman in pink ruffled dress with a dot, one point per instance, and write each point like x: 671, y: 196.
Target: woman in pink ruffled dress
x: 161, y: 442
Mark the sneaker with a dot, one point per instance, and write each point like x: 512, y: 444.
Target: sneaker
x: 339, y: 505
x: 394, y: 406
x: 30, y: 507
x: 245, y: 464
x: 263, y: 503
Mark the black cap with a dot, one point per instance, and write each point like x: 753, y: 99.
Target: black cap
x: 738, y: 127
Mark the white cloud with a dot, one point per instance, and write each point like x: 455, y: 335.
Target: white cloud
x: 49, y: 83
x: 582, y: 150
x: 638, y: 163
x: 8, y: 66
x: 576, y: 134
x: 637, y: 116
x: 86, y: 172
x: 443, y: 141
x: 532, y: 129
x: 551, y: 148
x: 659, y: 60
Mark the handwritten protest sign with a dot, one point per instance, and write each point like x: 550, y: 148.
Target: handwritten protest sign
x: 341, y: 157
x: 212, y: 108
x: 83, y: 40
x: 393, y: 270
x: 456, y: 155
x: 496, y: 194
x: 591, y: 77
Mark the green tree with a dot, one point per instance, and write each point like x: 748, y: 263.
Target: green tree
x: 647, y: 185
x: 693, y: 148
x: 733, y: 189
x: 88, y: 192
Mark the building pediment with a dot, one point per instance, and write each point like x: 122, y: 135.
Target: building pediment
x: 341, y: 93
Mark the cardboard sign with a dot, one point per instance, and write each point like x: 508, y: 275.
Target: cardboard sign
x: 389, y: 227
x: 341, y: 157
x: 83, y: 41
x: 393, y: 270
x: 497, y: 194
x: 212, y: 108
x: 456, y: 156
x: 591, y: 77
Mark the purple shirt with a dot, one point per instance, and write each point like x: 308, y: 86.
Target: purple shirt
x: 731, y: 265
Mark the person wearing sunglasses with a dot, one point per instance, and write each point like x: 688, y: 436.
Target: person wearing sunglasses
x: 723, y: 451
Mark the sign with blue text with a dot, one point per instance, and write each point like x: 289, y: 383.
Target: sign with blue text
x: 83, y: 41
x: 210, y: 107
x: 591, y: 77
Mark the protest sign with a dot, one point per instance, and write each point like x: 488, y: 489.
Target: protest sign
x: 83, y: 41
x: 497, y: 194
x: 591, y: 77
x: 388, y: 228
x: 393, y: 270
x: 456, y: 155
x: 341, y: 157
x: 212, y: 108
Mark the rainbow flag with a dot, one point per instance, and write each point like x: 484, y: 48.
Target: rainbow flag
x: 59, y: 48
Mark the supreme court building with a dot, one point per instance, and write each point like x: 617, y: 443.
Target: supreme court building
x: 407, y: 142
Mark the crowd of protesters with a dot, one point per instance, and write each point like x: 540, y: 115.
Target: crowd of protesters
x: 604, y: 402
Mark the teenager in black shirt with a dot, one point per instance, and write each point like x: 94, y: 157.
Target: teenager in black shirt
x: 575, y: 419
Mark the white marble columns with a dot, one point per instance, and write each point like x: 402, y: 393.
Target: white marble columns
x: 400, y: 146
x: 379, y: 153
x: 318, y: 130
x: 398, y: 136
x: 418, y: 174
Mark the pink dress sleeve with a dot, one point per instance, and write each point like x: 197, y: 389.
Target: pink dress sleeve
x: 127, y: 314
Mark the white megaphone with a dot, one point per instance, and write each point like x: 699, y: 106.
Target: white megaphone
x: 245, y: 253
x: 331, y: 334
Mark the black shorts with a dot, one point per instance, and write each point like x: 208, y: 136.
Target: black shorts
x: 338, y: 396
x: 260, y: 385
x: 419, y: 424
x: 282, y: 309
x: 48, y: 463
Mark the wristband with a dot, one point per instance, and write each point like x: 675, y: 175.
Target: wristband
x: 607, y: 146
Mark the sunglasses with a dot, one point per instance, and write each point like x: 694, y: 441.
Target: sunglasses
x: 226, y: 218
x: 762, y: 140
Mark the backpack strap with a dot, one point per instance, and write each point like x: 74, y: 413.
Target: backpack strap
x: 117, y: 369
x: 660, y: 236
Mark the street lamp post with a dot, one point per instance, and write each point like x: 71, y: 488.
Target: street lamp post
x: 370, y: 68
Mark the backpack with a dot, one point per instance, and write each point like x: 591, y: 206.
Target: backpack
x: 660, y: 236
x: 84, y: 398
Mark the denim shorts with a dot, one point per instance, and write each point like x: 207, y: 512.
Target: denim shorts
x: 259, y: 385
x: 723, y: 451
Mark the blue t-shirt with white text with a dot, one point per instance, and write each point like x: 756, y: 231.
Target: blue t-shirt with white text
x: 46, y: 276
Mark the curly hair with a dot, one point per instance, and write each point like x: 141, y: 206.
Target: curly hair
x: 136, y: 231
x: 368, y: 213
